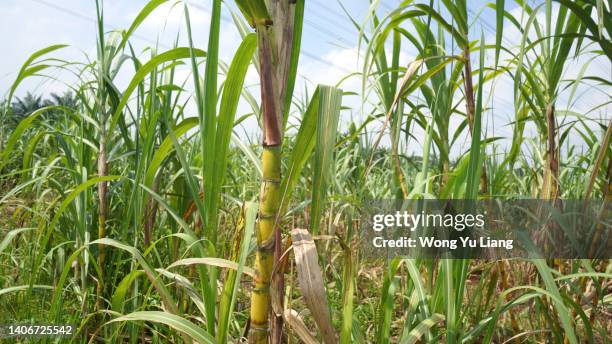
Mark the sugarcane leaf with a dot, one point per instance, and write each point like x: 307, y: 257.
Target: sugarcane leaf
x: 499, y: 28
x: 165, y: 148
x: 330, y: 100
x: 248, y: 151
x: 232, y: 282
x: 142, y: 15
x: 28, y: 69
x: 169, y: 301
x: 176, y: 322
x: 229, y: 104
x: 17, y: 134
x: 144, y: 71
x: 297, y: 325
x: 212, y: 261
x: 562, y: 311
x: 10, y: 236
x: 48, y: 230
x: 298, y: 19
x: 17, y: 288
x: 118, y: 298
x: 304, y: 145
x: 415, y: 335
x: 255, y: 11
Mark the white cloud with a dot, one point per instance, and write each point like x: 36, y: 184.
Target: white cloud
x: 33, y: 25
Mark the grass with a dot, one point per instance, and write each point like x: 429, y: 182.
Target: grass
x: 122, y: 214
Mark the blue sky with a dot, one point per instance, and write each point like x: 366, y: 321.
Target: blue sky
x: 28, y: 25
x: 329, y: 52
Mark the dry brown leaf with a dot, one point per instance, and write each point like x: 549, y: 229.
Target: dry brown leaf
x: 292, y: 318
x: 311, y: 282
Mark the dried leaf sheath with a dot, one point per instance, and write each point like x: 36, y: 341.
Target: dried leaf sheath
x: 311, y: 282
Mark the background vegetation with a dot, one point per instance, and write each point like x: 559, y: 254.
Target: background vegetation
x: 140, y: 215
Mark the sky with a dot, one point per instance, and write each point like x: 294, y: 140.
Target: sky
x: 28, y: 25
x: 330, y: 48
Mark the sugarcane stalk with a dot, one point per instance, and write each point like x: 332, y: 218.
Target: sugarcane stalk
x: 471, y: 108
x: 102, y: 213
x: 550, y: 188
x: 264, y: 258
x: 101, y: 98
x: 151, y: 209
x: 275, y: 39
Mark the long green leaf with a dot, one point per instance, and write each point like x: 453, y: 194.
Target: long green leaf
x: 415, y: 335
x: 169, y: 302
x: 142, y: 15
x: 499, y: 27
x: 227, y: 113
x: 146, y: 69
x: 27, y: 69
x: 330, y: 100
x: 17, y: 134
x: 255, y: 11
x: 176, y: 322
x: 304, y: 145
x: 165, y: 148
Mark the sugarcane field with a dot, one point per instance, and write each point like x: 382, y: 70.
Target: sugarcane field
x: 306, y: 171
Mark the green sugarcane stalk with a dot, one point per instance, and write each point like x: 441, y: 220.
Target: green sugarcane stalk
x: 275, y: 43
x: 102, y: 158
x: 268, y: 208
x: 550, y: 188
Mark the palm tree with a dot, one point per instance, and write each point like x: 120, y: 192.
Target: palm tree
x: 24, y: 106
x: 67, y: 99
